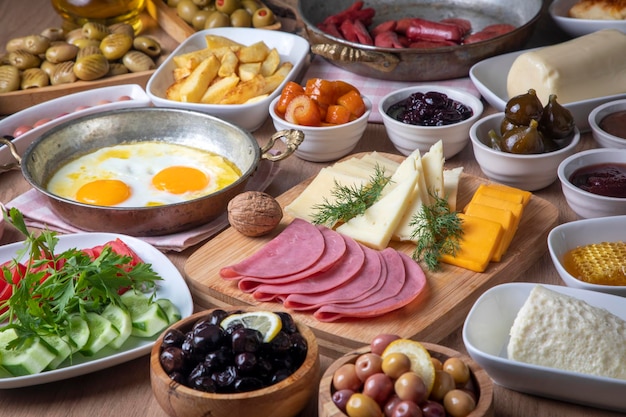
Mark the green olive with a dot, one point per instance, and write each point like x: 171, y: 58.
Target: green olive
x: 9, y: 78
x: 186, y: 10
x: 54, y: 34
x: 22, y: 59
x: 458, y: 403
x: 217, y: 20
x: 250, y: 5
x: 200, y: 18
x: 61, y: 51
x: 94, y: 30
x: 263, y: 17
x: 63, y: 73
x: 137, y: 61
x: 227, y: 6
x: 201, y: 3
x: 147, y: 45
x: 115, y: 45
x: 91, y: 67
x: 458, y: 369
x: 240, y: 18
x: 36, y: 44
x: 34, y: 78
x: 173, y: 3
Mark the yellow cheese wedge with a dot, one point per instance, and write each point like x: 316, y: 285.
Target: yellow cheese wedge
x: 504, y: 217
x: 586, y: 67
x: 480, y: 239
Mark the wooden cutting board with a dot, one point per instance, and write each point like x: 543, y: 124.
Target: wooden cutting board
x: 435, y: 314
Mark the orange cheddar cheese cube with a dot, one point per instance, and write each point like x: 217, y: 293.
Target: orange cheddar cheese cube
x: 503, y: 216
x: 504, y: 192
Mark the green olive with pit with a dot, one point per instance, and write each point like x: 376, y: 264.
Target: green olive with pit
x: 263, y: 17
x: 240, y: 18
x: 227, y: 6
x: 217, y: 20
x: 458, y: 403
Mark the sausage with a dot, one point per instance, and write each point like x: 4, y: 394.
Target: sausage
x: 431, y: 44
x: 355, y: 31
x: 388, y: 39
x: 388, y: 26
x: 488, y: 32
x: 464, y: 24
x: 422, y: 29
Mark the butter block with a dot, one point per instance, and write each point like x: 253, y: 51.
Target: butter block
x: 583, y: 68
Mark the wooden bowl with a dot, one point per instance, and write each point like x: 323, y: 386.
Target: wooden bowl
x: 284, y: 399
x: 479, y: 380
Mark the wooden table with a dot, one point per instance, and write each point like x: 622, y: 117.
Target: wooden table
x: 124, y: 390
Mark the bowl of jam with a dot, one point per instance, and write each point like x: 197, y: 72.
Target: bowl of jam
x: 608, y: 124
x: 418, y: 117
x: 594, y: 182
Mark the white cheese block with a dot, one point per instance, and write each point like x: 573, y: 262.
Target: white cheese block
x: 375, y: 227
x: 586, y: 67
x: 451, y: 178
x: 558, y: 331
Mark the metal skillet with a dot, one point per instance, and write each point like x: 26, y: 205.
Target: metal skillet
x: 412, y: 64
x: 77, y: 137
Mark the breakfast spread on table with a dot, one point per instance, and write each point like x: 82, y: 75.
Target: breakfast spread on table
x: 374, y: 249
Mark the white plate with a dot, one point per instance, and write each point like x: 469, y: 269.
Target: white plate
x: 67, y: 104
x: 489, y: 76
x: 559, y: 11
x: 249, y: 116
x: 172, y: 287
x: 568, y: 236
x: 486, y: 336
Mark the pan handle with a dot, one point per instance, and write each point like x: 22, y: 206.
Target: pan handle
x: 292, y: 138
x: 11, y: 165
x: 380, y: 61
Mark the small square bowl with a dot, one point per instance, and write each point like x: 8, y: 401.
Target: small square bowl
x: 407, y: 137
x: 559, y: 11
x: 601, y: 136
x: 584, y: 203
x: 528, y: 172
x: 568, y: 236
x: 249, y: 116
x: 326, y: 143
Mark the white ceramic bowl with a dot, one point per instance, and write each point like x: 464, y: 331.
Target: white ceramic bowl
x: 486, y: 336
x: 248, y: 116
x: 327, y: 143
x: 559, y: 11
x: 528, y: 172
x: 66, y: 108
x: 406, y: 137
x: 605, y: 139
x: 568, y: 236
x: 584, y: 203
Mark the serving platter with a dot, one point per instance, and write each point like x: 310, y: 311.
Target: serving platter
x: 490, y: 77
x: 559, y: 11
x: 486, y: 336
x: 172, y: 287
x: 434, y: 315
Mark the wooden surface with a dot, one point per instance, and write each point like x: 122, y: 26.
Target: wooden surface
x: 450, y: 294
x: 124, y: 390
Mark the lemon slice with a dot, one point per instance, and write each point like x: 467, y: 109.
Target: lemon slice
x: 421, y: 363
x: 266, y: 322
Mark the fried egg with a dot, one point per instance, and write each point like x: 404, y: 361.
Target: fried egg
x: 142, y: 174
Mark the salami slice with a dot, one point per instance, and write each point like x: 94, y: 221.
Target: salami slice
x: 366, y: 283
x: 414, y: 284
x: 341, y: 272
x: 334, y: 250
x: 294, y: 250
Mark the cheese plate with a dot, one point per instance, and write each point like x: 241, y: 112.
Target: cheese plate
x: 433, y: 315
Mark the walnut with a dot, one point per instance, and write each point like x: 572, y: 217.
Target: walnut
x: 254, y: 213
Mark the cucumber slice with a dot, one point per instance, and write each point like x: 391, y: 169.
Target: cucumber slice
x: 78, y: 331
x: 31, y: 358
x: 63, y: 347
x: 148, y: 317
x: 172, y: 312
x: 101, y: 333
x: 120, y: 319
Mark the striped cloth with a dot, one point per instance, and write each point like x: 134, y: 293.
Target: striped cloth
x: 373, y: 88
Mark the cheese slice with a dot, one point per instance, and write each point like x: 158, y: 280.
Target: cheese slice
x: 375, y: 227
x: 506, y: 219
x: 583, y: 68
x: 451, y: 179
x: 433, y: 161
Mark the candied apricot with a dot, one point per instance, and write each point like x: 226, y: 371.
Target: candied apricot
x: 320, y: 90
x: 290, y: 90
x: 353, y: 101
x: 337, y: 114
x: 303, y: 110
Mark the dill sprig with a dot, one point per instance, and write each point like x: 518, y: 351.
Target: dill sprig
x: 54, y: 286
x: 350, y: 200
x: 437, y: 231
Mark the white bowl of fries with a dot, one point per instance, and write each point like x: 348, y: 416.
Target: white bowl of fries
x: 231, y: 73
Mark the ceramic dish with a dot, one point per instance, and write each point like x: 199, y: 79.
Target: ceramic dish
x: 559, y: 11
x: 67, y: 108
x: 248, y: 116
x: 604, y: 138
x: 568, y: 236
x: 486, y: 336
x: 489, y: 77
x: 173, y: 287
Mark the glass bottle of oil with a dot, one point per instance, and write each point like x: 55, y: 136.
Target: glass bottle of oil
x: 78, y: 12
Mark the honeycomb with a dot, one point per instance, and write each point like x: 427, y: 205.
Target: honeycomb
x: 598, y: 263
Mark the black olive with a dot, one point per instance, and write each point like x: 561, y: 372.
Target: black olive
x: 173, y: 337
x: 288, y: 323
x: 216, y: 316
x: 172, y: 359
x: 280, y: 375
x: 246, y: 340
x: 218, y: 359
x: 245, y: 362
x: 203, y: 383
x: 247, y: 383
x: 299, y: 348
x: 226, y: 377
x: 208, y: 337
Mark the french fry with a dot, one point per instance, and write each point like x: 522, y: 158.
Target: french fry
x: 195, y: 85
x: 229, y: 63
x: 173, y: 91
x: 256, y: 52
x: 219, y: 89
x: 273, y: 81
x: 191, y: 60
x: 244, y: 91
x: 270, y: 63
x: 181, y: 73
x: 216, y: 41
x: 248, y: 71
